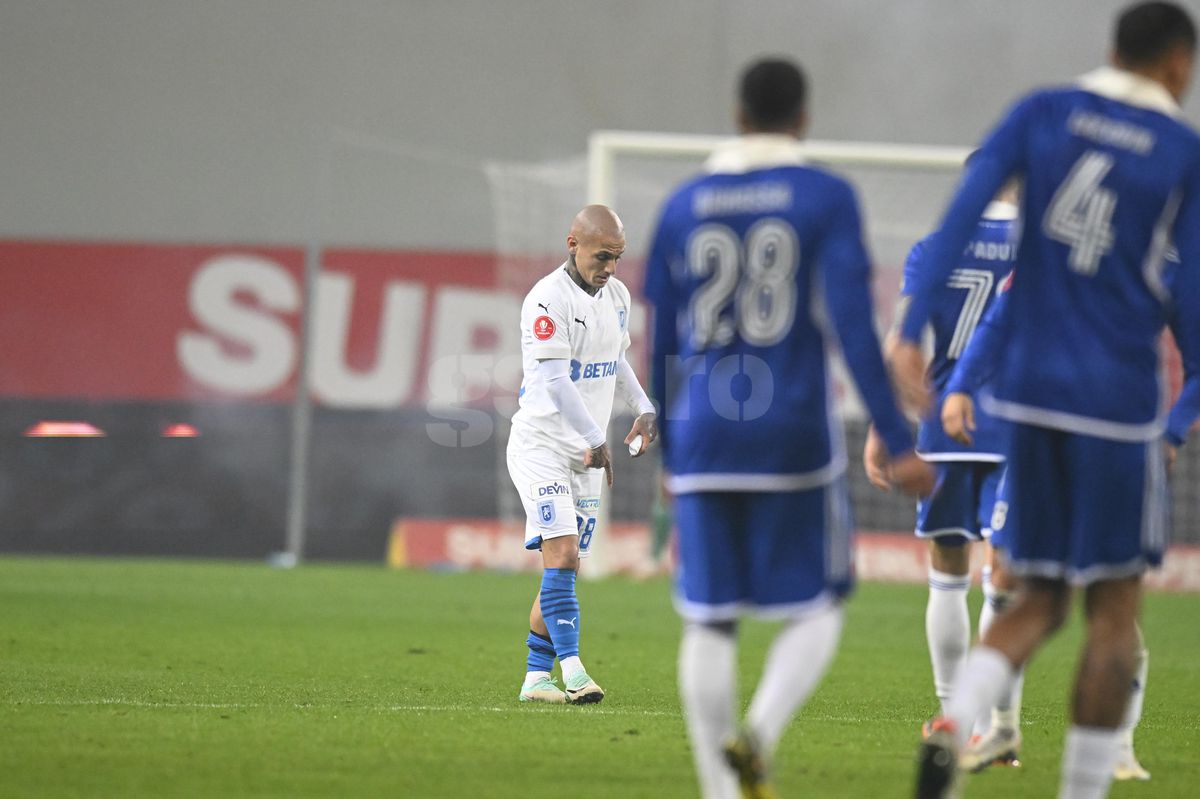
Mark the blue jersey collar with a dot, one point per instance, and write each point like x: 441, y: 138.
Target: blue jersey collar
x: 1129, y: 88
x: 754, y: 151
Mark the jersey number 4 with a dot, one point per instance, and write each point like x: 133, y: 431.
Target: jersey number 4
x: 760, y: 272
x: 1080, y: 214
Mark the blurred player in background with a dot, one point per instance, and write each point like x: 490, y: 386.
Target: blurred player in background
x: 574, y: 333
x: 1112, y: 176
x: 959, y: 419
x: 754, y: 268
x: 960, y: 509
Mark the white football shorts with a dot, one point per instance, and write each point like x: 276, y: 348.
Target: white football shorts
x: 558, y: 500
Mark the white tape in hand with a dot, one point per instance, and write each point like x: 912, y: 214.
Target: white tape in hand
x: 635, y: 446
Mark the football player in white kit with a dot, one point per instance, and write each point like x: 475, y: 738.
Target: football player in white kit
x: 574, y: 333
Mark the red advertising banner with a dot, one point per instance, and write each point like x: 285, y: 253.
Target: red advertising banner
x: 111, y: 321
x: 105, y: 321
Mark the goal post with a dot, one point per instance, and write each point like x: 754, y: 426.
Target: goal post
x: 606, y: 146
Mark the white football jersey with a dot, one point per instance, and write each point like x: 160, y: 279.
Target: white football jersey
x: 561, y: 320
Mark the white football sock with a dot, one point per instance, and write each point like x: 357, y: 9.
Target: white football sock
x: 994, y: 599
x: 1007, y: 712
x: 947, y: 628
x: 798, y: 659
x: 1088, y: 759
x: 708, y: 689
x: 1133, y: 711
x: 533, y: 676
x: 570, y: 667
x: 985, y: 676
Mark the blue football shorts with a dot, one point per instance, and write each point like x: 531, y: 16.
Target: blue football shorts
x: 960, y: 508
x: 1083, y: 508
x: 773, y: 554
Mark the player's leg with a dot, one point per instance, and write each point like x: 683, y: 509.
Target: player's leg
x: 987, y: 674
x: 947, y: 619
x: 543, y: 481
x: 1128, y: 767
x: 708, y: 692
x: 709, y: 594
x: 998, y: 728
x: 560, y: 610
x: 1101, y: 687
x: 568, y: 623
x: 800, y: 548
x: 949, y: 521
x: 1119, y: 530
x: 538, y: 685
x: 1040, y: 542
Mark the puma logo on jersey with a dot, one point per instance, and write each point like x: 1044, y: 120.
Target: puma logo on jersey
x: 580, y: 321
x: 571, y: 622
x: 545, y: 307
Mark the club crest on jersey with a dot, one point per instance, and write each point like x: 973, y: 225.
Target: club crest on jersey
x: 546, y: 513
x: 543, y: 328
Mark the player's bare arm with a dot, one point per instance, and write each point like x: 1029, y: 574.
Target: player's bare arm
x: 875, y: 460
x: 958, y: 417
x: 907, y: 363
x: 912, y: 385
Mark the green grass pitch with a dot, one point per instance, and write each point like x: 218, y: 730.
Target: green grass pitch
x: 162, y: 678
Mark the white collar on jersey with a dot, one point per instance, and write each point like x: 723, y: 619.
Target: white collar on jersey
x: 754, y: 151
x: 1129, y: 88
x: 1000, y: 210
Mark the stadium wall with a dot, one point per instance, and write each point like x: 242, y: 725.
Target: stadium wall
x: 179, y: 121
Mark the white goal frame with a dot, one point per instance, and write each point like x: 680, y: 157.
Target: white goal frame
x: 605, y: 146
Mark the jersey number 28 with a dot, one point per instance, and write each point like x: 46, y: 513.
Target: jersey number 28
x: 759, y: 272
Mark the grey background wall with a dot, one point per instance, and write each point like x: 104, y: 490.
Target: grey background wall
x: 204, y: 121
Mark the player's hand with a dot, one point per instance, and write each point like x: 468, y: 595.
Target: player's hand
x: 875, y: 460
x: 908, y: 373
x: 912, y: 475
x: 599, y: 458
x: 645, y: 426
x: 958, y: 417
x: 1172, y: 452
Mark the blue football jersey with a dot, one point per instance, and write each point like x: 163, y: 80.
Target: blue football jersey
x: 1112, y: 175
x: 970, y: 289
x: 753, y: 273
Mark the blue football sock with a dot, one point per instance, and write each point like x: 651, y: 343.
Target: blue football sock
x: 560, y: 609
x: 541, y: 652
